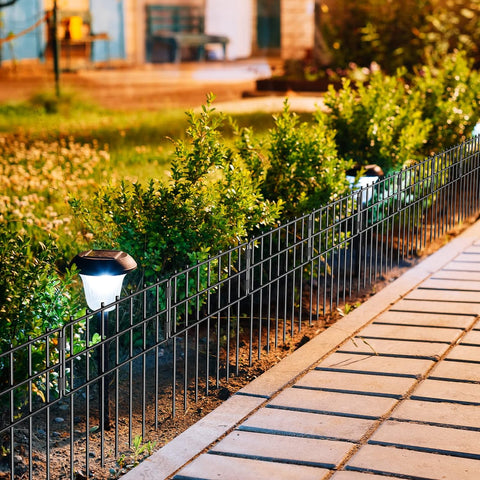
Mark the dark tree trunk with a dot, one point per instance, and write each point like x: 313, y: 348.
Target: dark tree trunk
x: 321, y: 53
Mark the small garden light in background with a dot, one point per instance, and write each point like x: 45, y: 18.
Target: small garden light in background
x: 102, y: 273
x: 476, y: 130
x: 372, y: 174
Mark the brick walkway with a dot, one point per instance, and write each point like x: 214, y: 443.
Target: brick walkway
x: 390, y: 391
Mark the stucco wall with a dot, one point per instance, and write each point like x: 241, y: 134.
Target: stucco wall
x: 233, y: 19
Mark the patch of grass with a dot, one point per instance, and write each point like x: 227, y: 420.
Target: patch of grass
x: 139, y: 142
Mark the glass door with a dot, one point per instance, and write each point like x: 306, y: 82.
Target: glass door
x: 268, y: 25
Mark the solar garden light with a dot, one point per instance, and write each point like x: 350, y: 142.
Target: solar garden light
x: 102, y: 273
x: 372, y: 174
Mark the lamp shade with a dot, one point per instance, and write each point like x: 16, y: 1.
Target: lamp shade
x: 102, y: 273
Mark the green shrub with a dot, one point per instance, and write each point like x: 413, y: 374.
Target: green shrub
x: 34, y: 296
x: 379, y: 122
x: 34, y: 299
x: 450, y: 95
x: 298, y: 164
x: 209, y: 205
x: 450, y: 26
x: 399, y: 34
x: 393, y: 121
x: 374, y: 31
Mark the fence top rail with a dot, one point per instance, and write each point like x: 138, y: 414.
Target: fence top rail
x: 31, y: 341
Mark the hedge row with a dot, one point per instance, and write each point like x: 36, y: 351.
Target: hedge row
x: 219, y: 192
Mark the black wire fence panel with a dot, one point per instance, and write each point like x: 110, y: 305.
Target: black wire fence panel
x: 66, y: 395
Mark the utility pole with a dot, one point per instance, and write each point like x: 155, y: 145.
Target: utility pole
x: 56, y: 49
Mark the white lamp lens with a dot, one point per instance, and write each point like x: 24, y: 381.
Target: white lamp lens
x: 101, y: 289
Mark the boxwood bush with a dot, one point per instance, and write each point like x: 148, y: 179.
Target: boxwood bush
x: 450, y: 99
x: 378, y: 122
x: 394, y: 120
x: 210, y: 204
x: 297, y: 164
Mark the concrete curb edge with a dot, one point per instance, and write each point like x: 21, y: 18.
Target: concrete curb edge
x: 196, y: 439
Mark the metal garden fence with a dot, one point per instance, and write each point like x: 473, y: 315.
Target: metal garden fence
x: 73, y: 399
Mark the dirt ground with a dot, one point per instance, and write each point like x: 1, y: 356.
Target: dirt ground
x: 161, y: 86
x: 132, y: 88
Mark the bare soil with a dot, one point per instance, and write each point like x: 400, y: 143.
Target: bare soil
x: 121, y: 89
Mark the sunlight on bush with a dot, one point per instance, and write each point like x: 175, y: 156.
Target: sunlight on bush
x: 210, y: 204
x: 297, y: 164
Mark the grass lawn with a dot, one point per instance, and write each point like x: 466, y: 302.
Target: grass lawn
x: 139, y: 142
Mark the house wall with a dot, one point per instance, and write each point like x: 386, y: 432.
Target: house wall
x: 131, y: 32
x: 233, y: 19
x: 68, y: 4
x: 18, y: 18
x: 297, y: 28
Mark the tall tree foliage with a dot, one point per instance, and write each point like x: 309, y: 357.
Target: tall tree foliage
x: 396, y: 34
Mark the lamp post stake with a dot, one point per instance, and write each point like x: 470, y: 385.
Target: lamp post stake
x: 56, y: 49
x: 102, y: 273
